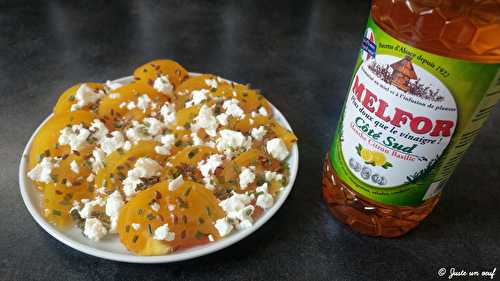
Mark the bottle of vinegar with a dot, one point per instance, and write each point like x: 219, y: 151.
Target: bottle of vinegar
x: 426, y: 79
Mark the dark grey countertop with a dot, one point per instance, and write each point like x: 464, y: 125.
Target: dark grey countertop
x: 301, y: 56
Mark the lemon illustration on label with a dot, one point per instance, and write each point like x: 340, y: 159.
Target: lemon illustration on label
x: 378, y: 158
x: 366, y: 155
x: 373, y: 157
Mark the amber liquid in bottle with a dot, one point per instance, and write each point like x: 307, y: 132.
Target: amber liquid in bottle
x: 468, y: 30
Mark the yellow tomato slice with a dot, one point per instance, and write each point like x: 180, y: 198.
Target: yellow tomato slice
x: 45, y: 141
x: 254, y: 157
x: 281, y: 132
x: 113, y: 107
x: 250, y: 99
x: 183, y: 92
x: 58, y: 199
x: 148, y: 72
x: 67, y: 99
x: 190, y: 212
x: 245, y: 125
x: 185, y: 116
x: 119, y: 162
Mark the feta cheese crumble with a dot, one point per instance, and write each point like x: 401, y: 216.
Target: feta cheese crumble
x: 75, y: 136
x: 207, y: 167
x: 143, y: 168
x: 162, y: 84
x: 175, y: 183
x: 91, y: 177
x: 153, y: 125
x: 94, y: 229
x: 238, y: 209
x: 258, y: 133
x: 196, y: 140
x: 262, y: 111
x: 277, y: 148
x: 211, y: 82
x: 41, y: 172
x: 85, y: 96
x: 97, y: 161
x: 143, y: 102
x: 155, y: 206
x: 264, y: 199
x: 98, y: 129
x: 223, y: 227
x: 270, y: 176
x: 167, y: 142
x: 247, y: 176
x: 163, y: 233
x: 198, y: 97
x: 232, y: 140
x: 111, y: 143
x: 206, y: 120
x: 137, y: 132
x: 232, y: 108
x: 114, y: 203
x: 74, y: 167
x: 167, y: 111
x: 222, y: 119
x: 88, y: 207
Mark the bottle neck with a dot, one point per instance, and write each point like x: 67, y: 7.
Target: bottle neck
x: 426, y: 29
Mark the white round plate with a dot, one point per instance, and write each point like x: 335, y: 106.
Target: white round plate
x: 111, y: 248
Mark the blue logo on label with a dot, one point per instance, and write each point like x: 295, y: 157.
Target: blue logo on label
x: 368, y: 46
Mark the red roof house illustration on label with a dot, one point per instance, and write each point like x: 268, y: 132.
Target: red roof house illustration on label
x: 402, y: 72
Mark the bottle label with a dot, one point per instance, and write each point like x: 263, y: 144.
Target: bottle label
x: 408, y: 119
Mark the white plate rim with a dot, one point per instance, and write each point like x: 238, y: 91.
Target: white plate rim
x: 26, y: 187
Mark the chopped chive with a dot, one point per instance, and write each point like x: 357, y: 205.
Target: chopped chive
x: 71, y: 98
x: 236, y: 168
x: 135, y: 238
x: 150, y: 229
x: 54, y: 178
x: 201, y: 220
x: 140, y: 212
x: 87, y: 163
x: 182, y: 203
x: 150, y: 216
x: 200, y: 235
x: 127, y: 228
x: 56, y: 212
x: 183, y: 234
x: 186, y: 192
x: 209, y: 212
x: 121, y: 175
x: 192, y: 153
x: 120, y: 150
